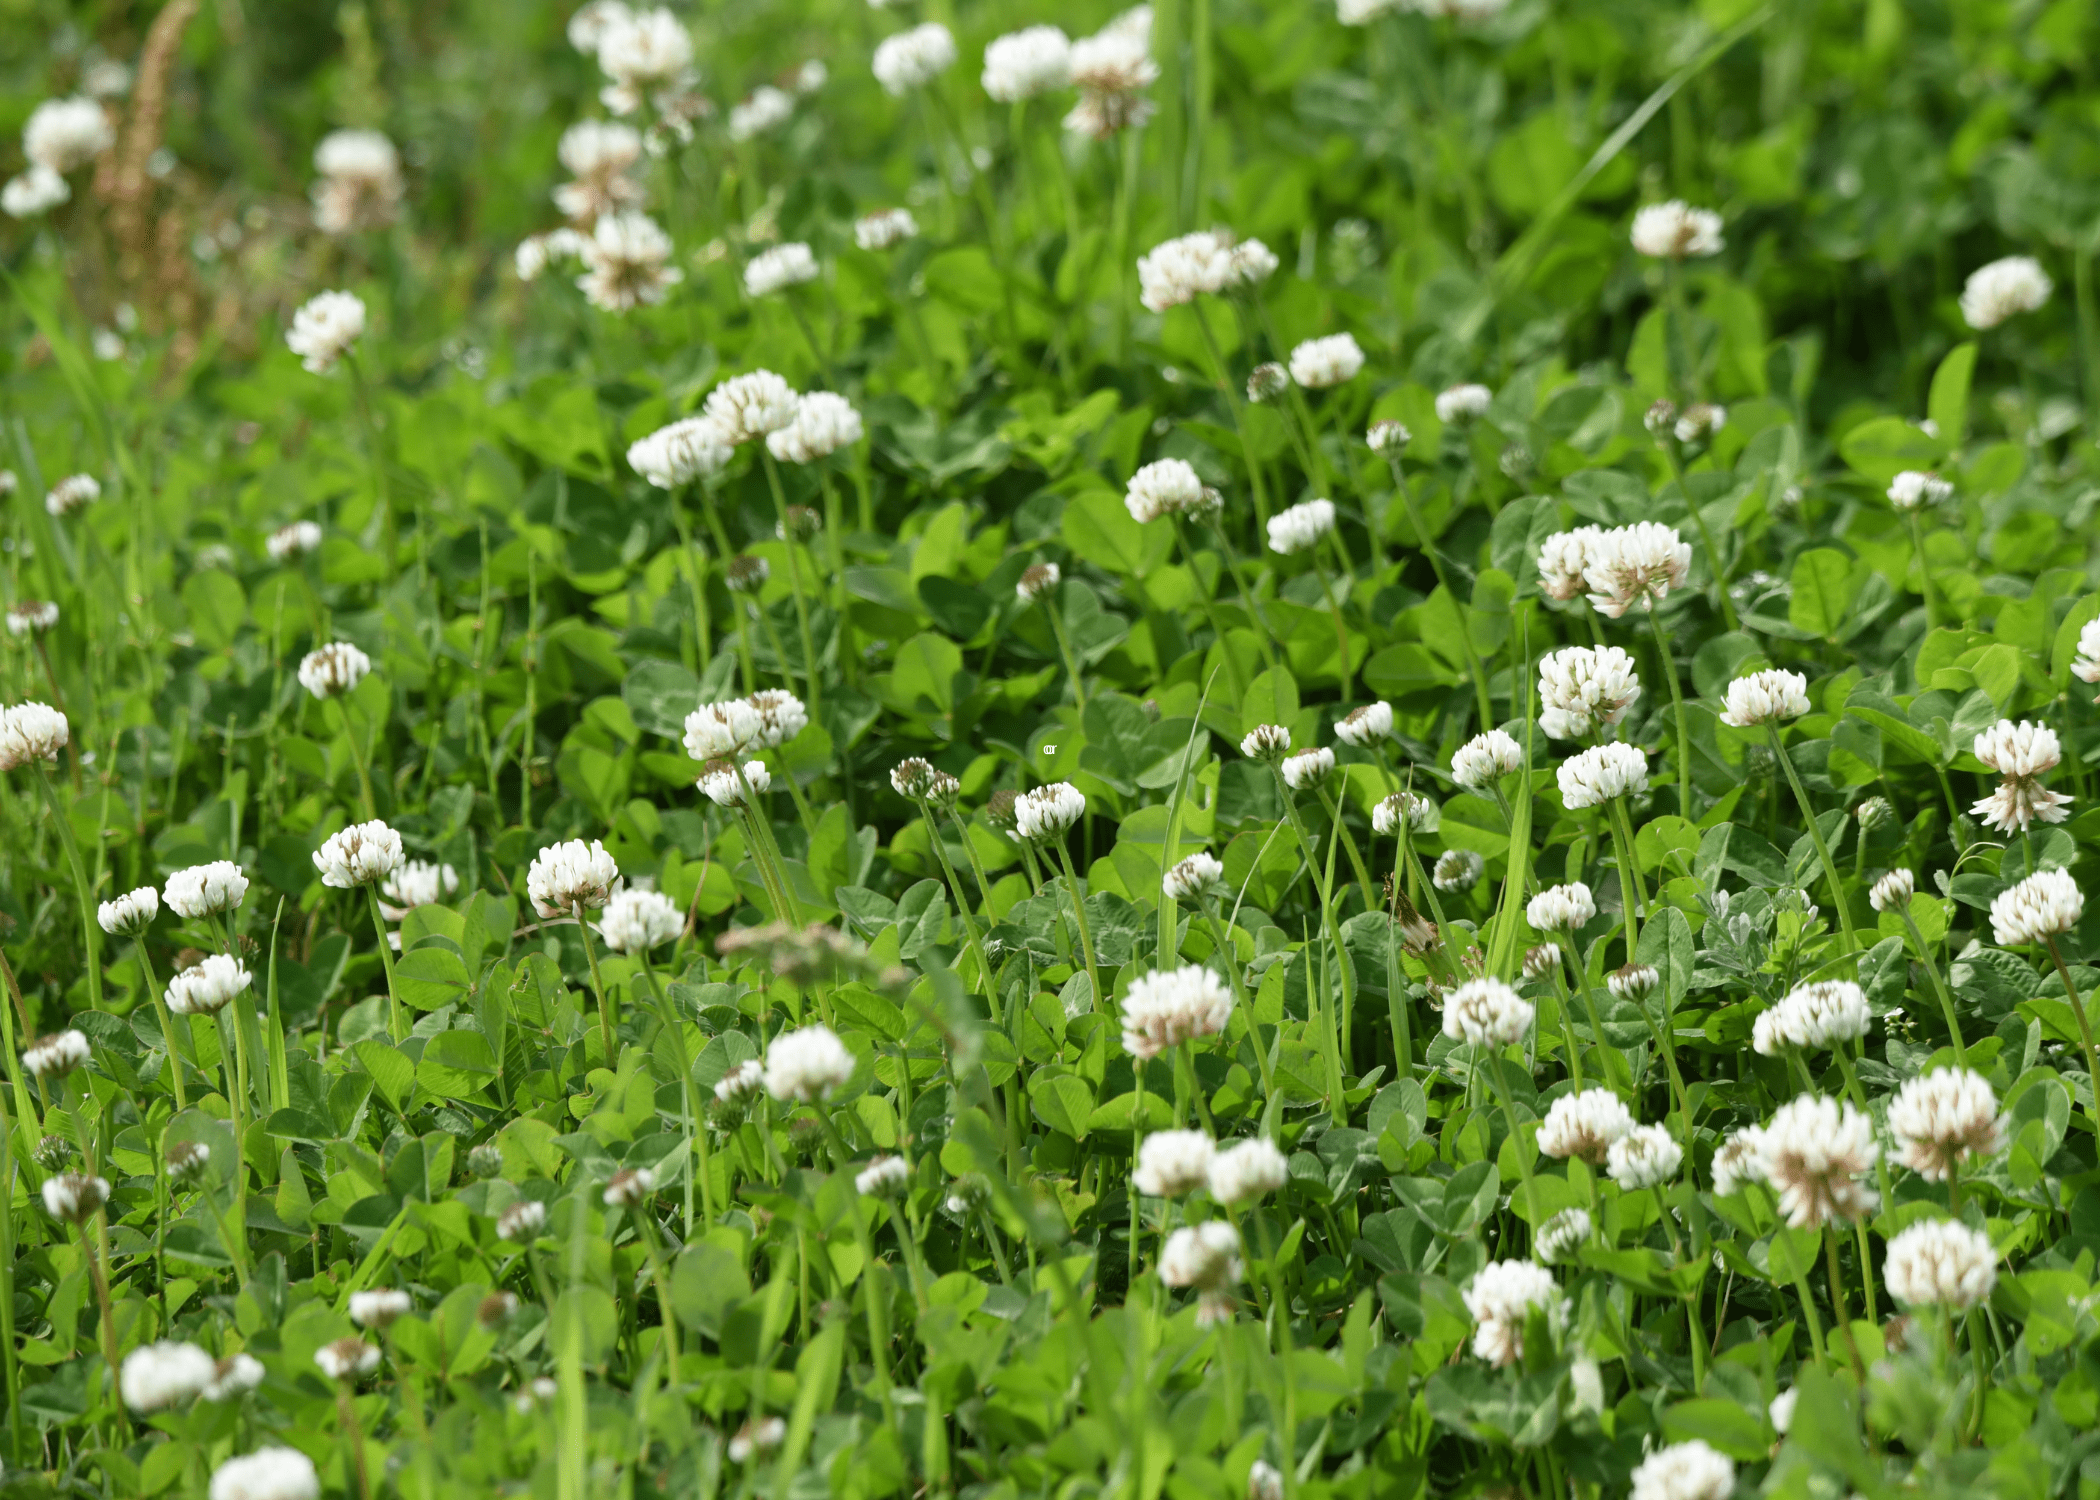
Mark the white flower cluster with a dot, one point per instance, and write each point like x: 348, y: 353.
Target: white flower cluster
x: 414, y: 883
x: 1172, y: 1163
x: 1322, y: 362
x: 1943, y: 1119
x: 1915, y: 488
x: 806, y: 1066
x: 1048, y: 811
x: 61, y: 136
x: 31, y: 732
x: 267, y: 1474
x: 1675, y: 230
x: 1166, y: 487
x: 325, y: 329
x: 1300, y: 528
x: 1585, y: 1125
x: 626, y: 262
x: 1206, y: 1259
x: 72, y: 493
x: 1635, y: 567
x: 1112, y: 69
x: 1765, y: 698
x: 726, y: 786
x: 130, y: 914
x: 2046, y: 903
x: 599, y: 153
x: 1025, y: 63
x: 1169, y: 1006
x: 1367, y: 725
x: 912, y: 59
x: 2004, y: 289
x: 751, y: 405
x: 1602, y: 773
x: 1307, y: 769
x: 1500, y: 1297
x: 1193, y: 878
x: 208, y: 987
x: 1822, y: 1014
x: 1585, y: 688
x: 884, y: 229
x: 636, y: 921
x: 2085, y: 663
x: 205, y: 890
x: 360, y: 182
x: 646, y: 54
x: 1252, y: 1169
x: 57, y: 1055
x: 1816, y: 1153
x: 824, y: 422
x: 764, y: 108
x: 1892, y: 892
x: 1691, y: 1470
x: 295, y: 540
x: 1485, y: 759
x: 1644, y: 1157
x: 333, y: 670
x: 1405, y: 810
x: 688, y: 449
x: 778, y: 267
x: 1561, y: 908
x: 2022, y: 754
x: 569, y: 877
x: 362, y: 854
x: 1941, y: 1263
x: 1487, y: 1012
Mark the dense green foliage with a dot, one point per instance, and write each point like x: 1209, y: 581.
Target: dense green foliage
x: 1456, y: 194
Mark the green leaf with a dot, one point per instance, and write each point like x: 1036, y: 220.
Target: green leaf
x: 217, y: 607
x: 389, y: 1067
x: 1099, y: 529
x: 1823, y: 590
x: 430, y: 977
x: 1063, y: 1103
x: 456, y: 1064
x: 1723, y: 1424
x: 1886, y: 446
x: 1948, y: 405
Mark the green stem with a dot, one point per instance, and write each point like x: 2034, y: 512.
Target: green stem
x: 1939, y: 986
x: 1086, y: 941
x: 590, y: 954
x: 787, y: 535
x: 397, y: 1015
x: 1815, y: 832
x: 1434, y: 553
x: 1684, y: 728
x: 83, y: 893
x: 2085, y: 1029
x: 1064, y: 646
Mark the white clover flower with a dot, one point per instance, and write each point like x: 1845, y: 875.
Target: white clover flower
x: 764, y: 108
x: 570, y: 877
x: 1173, y: 1162
x: 361, y: 854
x: 1367, y: 725
x: 806, y: 1066
x: 233, y: 1377
x: 2085, y: 665
x: 1462, y: 403
x: 72, y: 493
x: 1246, y: 1171
x: 912, y: 59
x: 1409, y: 810
x: 267, y: 1474
x: 2023, y: 749
x: 36, y: 191
x: 1269, y: 742
x: 1644, y: 1157
x: 1049, y: 810
x: 1363, y: 12
x: 716, y: 731
x: 1817, y: 1153
x: 1036, y: 581
x: 1253, y: 263
x: 725, y: 788
x: 74, y: 1197
x: 1943, y: 1119
x: 129, y: 914
x: 1941, y: 1263
x: 1740, y: 1161
x: 598, y: 153
x: 1307, y: 768
x: 1487, y: 1012
x: 1765, y: 698
x: 1387, y: 438
x: 643, y: 51
x: 1585, y: 1125
x: 205, y: 890
x: 1601, y: 773
x: 1112, y: 69
x: 1635, y: 982
x: 1025, y: 63
x: 346, y: 1359
x: 522, y: 1222
x: 1821, y: 1014
x: 1264, y: 1479
x: 56, y: 1055
x: 2004, y: 289
x: 592, y: 20
x: 1892, y: 892
x: 824, y: 423
x: 1193, y: 877
x: 688, y: 449
x: 757, y: 1437
x: 741, y: 1082
x: 380, y: 1306
x: 626, y: 263
x: 778, y: 267
x: 1914, y: 488
x: 1561, y: 1236
x: 360, y: 185
x: 1319, y: 363
x: 208, y: 987
x: 1458, y: 870
x: 1179, y: 270
x: 1684, y: 1471
x: 414, y: 883
x: 1585, y: 688
x: 1300, y: 528
x: 1500, y: 1297
x: 751, y: 405
x: 333, y: 670
x: 2046, y: 903
x: 295, y: 540
x: 31, y: 617
x: 1485, y: 759
x: 883, y: 1177
x: 1206, y: 1258
x: 1165, y: 488
x: 325, y: 329
x: 1565, y: 561
x: 884, y: 229
x: 1561, y: 908
x: 636, y: 921
x: 1541, y: 961
x: 65, y: 134
x: 781, y: 715
x: 630, y: 1187
x: 1675, y: 230
x: 1701, y: 420
x: 1169, y: 1006
x: 1635, y: 567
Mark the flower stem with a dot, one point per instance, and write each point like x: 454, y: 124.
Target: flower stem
x: 2085, y: 1028
x: 787, y: 537
x: 1064, y: 647
x: 1684, y: 731
x: 1815, y: 832
x: 590, y: 954
x: 397, y: 1016
x: 1086, y: 941
x: 91, y: 929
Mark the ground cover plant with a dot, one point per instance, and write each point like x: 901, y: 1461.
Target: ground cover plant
x: 1247, y: 750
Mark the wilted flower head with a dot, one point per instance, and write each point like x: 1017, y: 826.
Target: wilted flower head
x: 1048, y: 811
x: 361, y: 854
x: 570, y: 877
x: 1458, y: 870
x: 1941, y: 1263
x: 1025, y: 63
x: 1112, y: 69
x: 1644, y: 1157
x: 208, y: 987
x: 1584, y: 1125
x: 1561, y: 908
x: 1635, y: 567
x: 1461, y: 403
x: 626, y: 262
x: 2004, y: 289
x: 912, y: 59
x: 205, y: 890
x: 1943, y: 1119
x: 1246, y: 1171
x: 1914, y: 489
x: 1485, y: 759
x: 1675, y: 230
x: 325, y: 328
x: 1319, y: 363
x: 1500, y: 1297
x: 2046, y: 903
x: 1170, y: 1006
x: 1601, y: 773
x: 1817, y: 1154
x: 1300, y: 528
x: 333, y: 670
x: 56, y: 1055
x: 1193, y: 877
x: 1584, y: 688
x: 805, y: 1066
x: 1173, y: 1162
x: 1487, y: 1012
x: 1366, y: 725
x: 347, y: 1358
x: 380, y: 1306
x: 74, y: 1197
